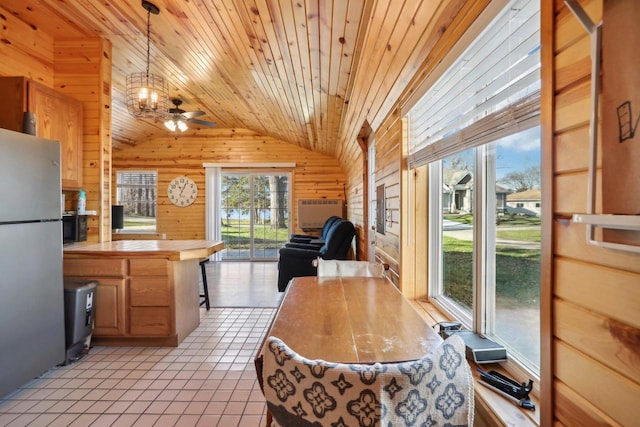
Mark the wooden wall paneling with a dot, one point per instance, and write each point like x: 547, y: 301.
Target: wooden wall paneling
x: 267, y: 57
x: 81, y: 71
x: 570, y: 156
x: 603, y: 388
x: 388, y: 158
x: 572, y: 107
x: 603, y: 290
x: 315, y: 176
x: 574, y: 63
x: 357, y: 201
x: 571, y: 192
x: 567, y: 28
x: 348, y: 53
x: 575, y: 410
x: 571, y: 243
x: 596, y: 320
x: 298, y: 53
x: 373, y: 48
x: 409, y: 49
x: 600, y: 337
x: 25, y: 50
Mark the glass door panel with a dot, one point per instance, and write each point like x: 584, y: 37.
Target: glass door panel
x: 255, y: 214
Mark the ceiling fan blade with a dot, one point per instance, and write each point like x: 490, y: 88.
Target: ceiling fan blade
x: 201, y: 122
x: 192, y: 114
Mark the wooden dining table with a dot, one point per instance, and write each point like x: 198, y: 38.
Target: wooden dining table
x: 350, y: 320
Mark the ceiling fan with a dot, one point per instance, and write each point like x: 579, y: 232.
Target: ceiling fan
x: 179, y: 118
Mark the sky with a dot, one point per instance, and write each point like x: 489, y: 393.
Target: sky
x: 518, y: 152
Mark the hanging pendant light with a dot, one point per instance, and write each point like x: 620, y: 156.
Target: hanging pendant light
x: 147, y: 94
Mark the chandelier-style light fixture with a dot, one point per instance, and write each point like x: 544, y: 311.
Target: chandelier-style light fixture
x: 147, y: 94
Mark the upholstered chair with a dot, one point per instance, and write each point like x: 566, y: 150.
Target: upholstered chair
x: 435, y: 390
x: 297, y: 262
x: 318, y: 240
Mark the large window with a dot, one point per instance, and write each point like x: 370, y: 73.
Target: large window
x: 480, y: 243
x: 477, y: 129
x: 137, y: 192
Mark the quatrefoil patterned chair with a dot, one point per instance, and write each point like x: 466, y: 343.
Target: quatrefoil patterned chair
x: 436, y: 390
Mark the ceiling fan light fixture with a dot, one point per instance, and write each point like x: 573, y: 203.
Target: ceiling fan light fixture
x: 147, y: 94
x: 176, y: 125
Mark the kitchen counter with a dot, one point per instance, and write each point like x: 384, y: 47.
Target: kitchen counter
x: 148, y: 290
x: 173, y: 250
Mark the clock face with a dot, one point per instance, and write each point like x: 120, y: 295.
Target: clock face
x: 182, y: 191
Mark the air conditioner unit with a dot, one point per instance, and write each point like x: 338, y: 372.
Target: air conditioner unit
x: 312, y: 213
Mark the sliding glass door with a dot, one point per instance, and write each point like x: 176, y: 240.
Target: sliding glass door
x: 254, y: 212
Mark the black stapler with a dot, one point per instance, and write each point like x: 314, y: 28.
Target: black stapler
x: 511, y: 388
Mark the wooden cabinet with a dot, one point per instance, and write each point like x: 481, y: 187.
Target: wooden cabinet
x: 141, y: 301
x: 111, y: 275
x: 150, y: 297
x: 58, y: 117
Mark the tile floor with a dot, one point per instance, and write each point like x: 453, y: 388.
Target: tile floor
x: 209, y: 380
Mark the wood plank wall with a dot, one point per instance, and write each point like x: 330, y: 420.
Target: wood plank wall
x: 388, y: 157
x: 453, y: 18
x: 315, y: 176
x: 357, y: 202
x: 596, y: 291
x: 80, y: 68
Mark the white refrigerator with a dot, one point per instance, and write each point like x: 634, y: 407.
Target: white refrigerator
x: 31, y: 283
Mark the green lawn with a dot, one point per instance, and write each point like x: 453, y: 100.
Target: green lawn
x: 517, y: 273
x: 505, y: 220
x: 527, y: 235
x: 236, y: 235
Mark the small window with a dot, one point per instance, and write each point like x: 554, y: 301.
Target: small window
x: 520, y: 205
x: 137, y: 192
x: 537, y: 205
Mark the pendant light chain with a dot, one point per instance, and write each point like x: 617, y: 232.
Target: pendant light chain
x: 148, y: 39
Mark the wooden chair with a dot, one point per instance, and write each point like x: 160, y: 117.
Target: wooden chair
x: 434, y: 390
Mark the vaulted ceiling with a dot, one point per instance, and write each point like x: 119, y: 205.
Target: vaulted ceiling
x: 309, y: 72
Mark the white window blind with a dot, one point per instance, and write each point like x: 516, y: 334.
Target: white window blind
x: 490, y: 91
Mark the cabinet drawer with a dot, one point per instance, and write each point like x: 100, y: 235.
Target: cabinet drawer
x: 148, y: 267
x: 149, y: 291
x: 150, y: 321
x: 93, y: 268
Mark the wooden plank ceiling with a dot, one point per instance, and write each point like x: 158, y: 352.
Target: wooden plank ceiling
x: 309, y: 72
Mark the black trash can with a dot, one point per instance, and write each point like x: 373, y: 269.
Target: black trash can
x: 79, y: 310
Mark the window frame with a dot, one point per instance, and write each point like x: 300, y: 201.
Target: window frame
x: 484, y: 297
x: 118, y: 199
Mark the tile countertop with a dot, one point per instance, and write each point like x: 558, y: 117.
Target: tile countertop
x: 174, y: 250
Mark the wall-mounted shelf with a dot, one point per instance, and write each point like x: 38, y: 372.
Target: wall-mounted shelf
x: 620, y: 222
x: 592, y: 219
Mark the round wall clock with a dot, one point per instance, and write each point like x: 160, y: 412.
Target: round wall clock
x: 182, y: 191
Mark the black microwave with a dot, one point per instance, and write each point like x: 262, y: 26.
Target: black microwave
x: 74, y: 228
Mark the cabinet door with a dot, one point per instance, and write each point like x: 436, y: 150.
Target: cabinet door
x: 14, y: 102
x: 59, y: 117
x: 110, y: 307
